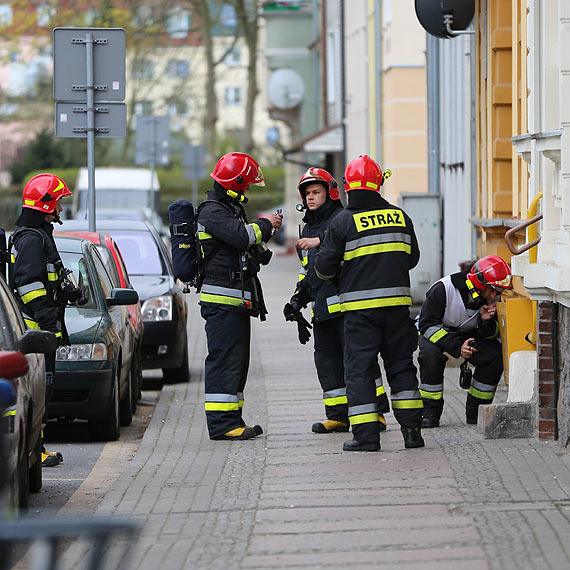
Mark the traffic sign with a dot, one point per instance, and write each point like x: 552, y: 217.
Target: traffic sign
x: 110, y: 120
x: 194, y: 161
x: 152, y: 140
x: 69, y: 74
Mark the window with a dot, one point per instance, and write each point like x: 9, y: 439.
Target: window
x: 177, y: 68
x: 178, y: 108
x: 178, y: 23
x: 141, y: 69
x: 5, y: 15
x: 228, y: 16
x: 140, y: 252
x: 234, y: 57
x: 44, y: 15
x: 233, y: 96
x: 101, y: 275
x: 143, y: 17
x: 272, y: 136
x: 143, y: 108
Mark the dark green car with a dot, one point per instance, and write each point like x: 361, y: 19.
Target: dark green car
x: 93, y: 378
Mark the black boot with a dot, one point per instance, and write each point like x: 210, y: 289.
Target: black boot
x: 412, y: 437
x: 430, y: 422
x: 355, y: 445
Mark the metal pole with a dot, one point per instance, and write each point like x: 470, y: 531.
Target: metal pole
x: 90, y: 130
x: 378, y: 48
x: 343, y: 196
x: 152, y: 153
x: 195, y: 192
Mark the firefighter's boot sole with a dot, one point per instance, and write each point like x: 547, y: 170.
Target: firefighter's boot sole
x: 330, y: 426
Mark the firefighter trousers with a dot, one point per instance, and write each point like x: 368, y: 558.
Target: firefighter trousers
x: 329, y: 362
x: 228, y: 334
x: 391, y: 333
x: 488, y: 365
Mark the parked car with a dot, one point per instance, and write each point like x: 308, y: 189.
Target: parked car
x: 23, y: 420
x: 117, y: 270
x: 165, y: 342
x: 93, y: 378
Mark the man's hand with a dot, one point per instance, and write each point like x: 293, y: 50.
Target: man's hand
x: 275, y: 219
x: 466, y: 350
x: 308, y: 243
x: 488, y: 312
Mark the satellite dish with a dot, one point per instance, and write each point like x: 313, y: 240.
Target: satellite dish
x: 433, y: 13
x: 285, y: 88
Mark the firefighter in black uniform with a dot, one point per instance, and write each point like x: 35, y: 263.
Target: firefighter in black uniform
x: 232, y: 252
x: 459, y: 317
x: 371, y: 247
x: 37, y: 273
x: 321, y: 198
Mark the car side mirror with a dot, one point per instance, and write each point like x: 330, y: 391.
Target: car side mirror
x: 122, y: 297
x: 35, y: 341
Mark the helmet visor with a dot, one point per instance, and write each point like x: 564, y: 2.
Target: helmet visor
x: 258, y: 180
x: 503, y: 283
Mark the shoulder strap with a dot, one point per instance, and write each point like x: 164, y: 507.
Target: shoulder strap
x: 206, y: 202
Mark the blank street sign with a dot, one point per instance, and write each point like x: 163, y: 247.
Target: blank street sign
x: 110, y: 120
x: 69, y: 61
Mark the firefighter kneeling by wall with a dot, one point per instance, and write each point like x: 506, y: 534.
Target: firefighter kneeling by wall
x: 459, y: 317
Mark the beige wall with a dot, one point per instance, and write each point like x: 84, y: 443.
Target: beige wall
x: 404, y: 144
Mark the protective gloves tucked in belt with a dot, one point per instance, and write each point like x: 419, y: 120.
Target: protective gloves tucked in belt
x: 293, y: 313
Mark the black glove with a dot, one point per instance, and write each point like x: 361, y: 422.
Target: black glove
x: 294, y: 314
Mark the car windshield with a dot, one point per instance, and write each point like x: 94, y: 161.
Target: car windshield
x: 78, y: 266
x: 140, y: 252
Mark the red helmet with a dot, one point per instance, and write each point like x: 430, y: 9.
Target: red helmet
x: 236, y: 171
x: 319, y: 176
x: 490, y: 270
x: 43, y: 191
x: 363, y: 173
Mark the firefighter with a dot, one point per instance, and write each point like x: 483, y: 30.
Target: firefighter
x: 370, y: 248
x: 36, y: 271
x: 232, y: 252
x: 321, y: 198
x: 459, y: 317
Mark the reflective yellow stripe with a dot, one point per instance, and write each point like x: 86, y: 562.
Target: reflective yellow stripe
x: 431, y: 395
x: 33, y: 295
x: 371, y: 185
x: 354, y: 184
x: 204, y: 235
x: 221, y: 406
x: 335, y: 401
x: 29, y: 202
x: 59, y: 187
x: 380, y: 390
x: 438, y: 335
x: 375, y: 303
x: 222, y: 299
x: 334, y: 308
x: 301, y: 277
x: 58, y: 334
x: 32, y: 324
x: 364, y: 419
x: 240, y: 403
x: 9, y: 413
x: 52, y: 277
x: 304, y: 261
x: 12, y: 258
x: 407, y: 404
x: 481, y: 395
x: 377, y: 248
x: 258, y: 234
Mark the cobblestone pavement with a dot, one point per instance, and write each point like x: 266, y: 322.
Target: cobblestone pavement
x: 294, y: 499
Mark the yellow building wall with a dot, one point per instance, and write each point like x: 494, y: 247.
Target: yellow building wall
x: 501, y: 114
x: 404, y: 130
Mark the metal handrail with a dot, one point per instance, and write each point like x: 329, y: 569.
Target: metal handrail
x: 512, y: 248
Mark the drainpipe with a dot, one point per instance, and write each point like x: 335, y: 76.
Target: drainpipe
x: 343, y: 197
x: 378, y: 49
x: 432, y: 62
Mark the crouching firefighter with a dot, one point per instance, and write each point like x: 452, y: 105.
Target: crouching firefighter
x: 371, y: 246
x: 321, y: 198
x: 36, y: 273
x: 232, y: 251
x: 459, y: 317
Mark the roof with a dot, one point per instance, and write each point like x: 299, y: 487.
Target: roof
x: 95, y: 237
x: 328, y: 139
x: 69, y: 244
x: 107, y: 224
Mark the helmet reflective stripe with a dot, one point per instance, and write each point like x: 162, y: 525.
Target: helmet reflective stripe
x: 60, y: 186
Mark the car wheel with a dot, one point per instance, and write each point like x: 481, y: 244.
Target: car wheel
x: 125, y: 410
x: 180, y: 374
x: 109, y: 429
x: 36, y: 469
x: 23, y: 481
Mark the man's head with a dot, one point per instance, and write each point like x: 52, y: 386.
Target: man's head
x: 235, y: 171
x: 490, y: 276
x: 43, y: 193
x: 364, y: 173
x: 315, y: 186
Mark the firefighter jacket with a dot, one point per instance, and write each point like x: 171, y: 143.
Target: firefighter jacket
x: 450, y: 314
x: 36, y: 272
x: 323, y: 295
x: 374, y: 246
x: 231, y: 254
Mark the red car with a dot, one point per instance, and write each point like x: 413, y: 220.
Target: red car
x: 113, y: 259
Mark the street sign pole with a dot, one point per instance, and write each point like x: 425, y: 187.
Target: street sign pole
x: 90, y: 88
x: 153, y: 151
x: 195, y: 192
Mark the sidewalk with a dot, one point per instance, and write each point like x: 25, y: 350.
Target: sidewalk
x: 294, y: 499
